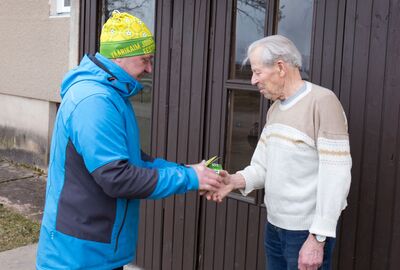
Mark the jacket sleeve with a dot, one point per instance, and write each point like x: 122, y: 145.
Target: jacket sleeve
x: 151, y: 162
x: 97, y: 131
x: 121, y: 179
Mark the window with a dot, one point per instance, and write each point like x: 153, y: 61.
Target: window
x: 252, y: 20
x: 63, y: 6
x: 143, y: 9
x: 243, y: 127
x: 294, y: 20
x: 142, y: 102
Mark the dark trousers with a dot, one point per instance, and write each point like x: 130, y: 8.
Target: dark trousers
x: 282, y: 248
x: 119, y: 268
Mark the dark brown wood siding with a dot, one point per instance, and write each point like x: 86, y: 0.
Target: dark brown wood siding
x: 89, y: 26
x: 169, y: 229
x: 355, y: 52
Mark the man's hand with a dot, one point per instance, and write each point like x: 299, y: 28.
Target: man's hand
x: 209, y: 180
x: 311, y: 254
x: 230, y: 182
x: 226, y: 187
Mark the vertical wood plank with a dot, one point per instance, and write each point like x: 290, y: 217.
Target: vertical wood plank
x: 318, y: 35
x: 149, y: 233
x: 386, y: 140
x: 241, y: 235
x: 197, y: 14
x: 346, y: 249
x: 329, y: 44
x: 210, y: 234
x: 220, y: 228
x: 216, y: 112
x: 179, y: 225
x: 191, y: 231
x: 140, y: 252
x: 339, y: 47
x: 161, y: 78
x: 392, y: 83
x: 394, y: 261
x: 168, y: 233
x: 252, y: 236
x: 230, y: 240
x: 384, y: 230
x: 158, y: 220
x: 175, y: 79
x: 358, y: 124
x: 197, y: 84
x: 261, y: 250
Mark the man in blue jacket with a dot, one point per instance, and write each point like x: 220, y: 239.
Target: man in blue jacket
x: 97, y: 171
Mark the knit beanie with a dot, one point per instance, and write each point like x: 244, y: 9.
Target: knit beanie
x: 124, y: 35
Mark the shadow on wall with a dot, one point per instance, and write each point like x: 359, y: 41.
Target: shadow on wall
x: 23, y: 147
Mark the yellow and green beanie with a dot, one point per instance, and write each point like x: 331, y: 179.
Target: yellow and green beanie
x: 124, y: 35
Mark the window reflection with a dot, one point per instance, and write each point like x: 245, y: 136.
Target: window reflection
x: 142, y: 102
x: 295, y: 22
x: 250, y: 21
x: 143, y: 9
x: 244, y: 110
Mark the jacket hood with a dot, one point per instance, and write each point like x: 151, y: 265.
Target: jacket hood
x: 100, y: 69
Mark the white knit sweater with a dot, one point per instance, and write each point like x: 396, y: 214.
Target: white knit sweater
x: 303, y: 161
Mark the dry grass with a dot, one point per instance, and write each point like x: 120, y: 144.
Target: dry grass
x: 16, y: 230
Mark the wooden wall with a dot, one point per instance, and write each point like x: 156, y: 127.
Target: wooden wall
x: 356, y: 53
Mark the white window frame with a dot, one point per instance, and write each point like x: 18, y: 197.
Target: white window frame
x: 62, y: 8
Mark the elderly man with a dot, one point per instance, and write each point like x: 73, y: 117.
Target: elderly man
x: 97, y: 172
x: 302, y: 160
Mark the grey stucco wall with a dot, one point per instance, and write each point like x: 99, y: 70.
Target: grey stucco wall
x: 35, y: 54
x: 34, y: 49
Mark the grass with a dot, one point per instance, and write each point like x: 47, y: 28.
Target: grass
x: 16, y: 230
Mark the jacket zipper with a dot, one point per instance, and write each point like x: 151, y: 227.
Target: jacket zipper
x: 120, y: 229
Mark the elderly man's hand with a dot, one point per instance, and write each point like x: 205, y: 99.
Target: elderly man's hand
x: 226, y: 187
x: 230, y: 182
x: 209, y: 180
x: 311, y: 254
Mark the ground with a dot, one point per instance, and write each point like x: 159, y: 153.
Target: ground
x: 22, y: 192
x: 16, y: 230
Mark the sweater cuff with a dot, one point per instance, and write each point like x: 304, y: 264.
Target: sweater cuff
x: 249, y: 187
x: 323, y: 226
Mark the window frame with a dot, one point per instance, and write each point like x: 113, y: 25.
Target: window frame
x: 61, y: 7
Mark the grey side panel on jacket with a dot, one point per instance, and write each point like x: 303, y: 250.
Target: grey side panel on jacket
x: 146, y: 157
x: 84, y: 210
x: 122, y: 179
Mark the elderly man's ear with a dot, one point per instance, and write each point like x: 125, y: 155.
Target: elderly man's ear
x: 281, y: 66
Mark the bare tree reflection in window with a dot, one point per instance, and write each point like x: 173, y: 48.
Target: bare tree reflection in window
x: 257, y: 5
x: 294, y: 20
x: 250, y: 18
x: 143, y: 9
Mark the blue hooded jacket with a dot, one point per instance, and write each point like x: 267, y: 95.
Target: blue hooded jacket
x: 97, y: 172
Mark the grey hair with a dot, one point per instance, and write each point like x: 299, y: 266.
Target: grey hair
x: 276, y: 48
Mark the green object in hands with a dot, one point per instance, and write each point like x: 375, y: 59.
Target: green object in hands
x: 212, y: 165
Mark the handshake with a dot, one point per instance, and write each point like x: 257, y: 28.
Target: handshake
x: 215, y: 183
